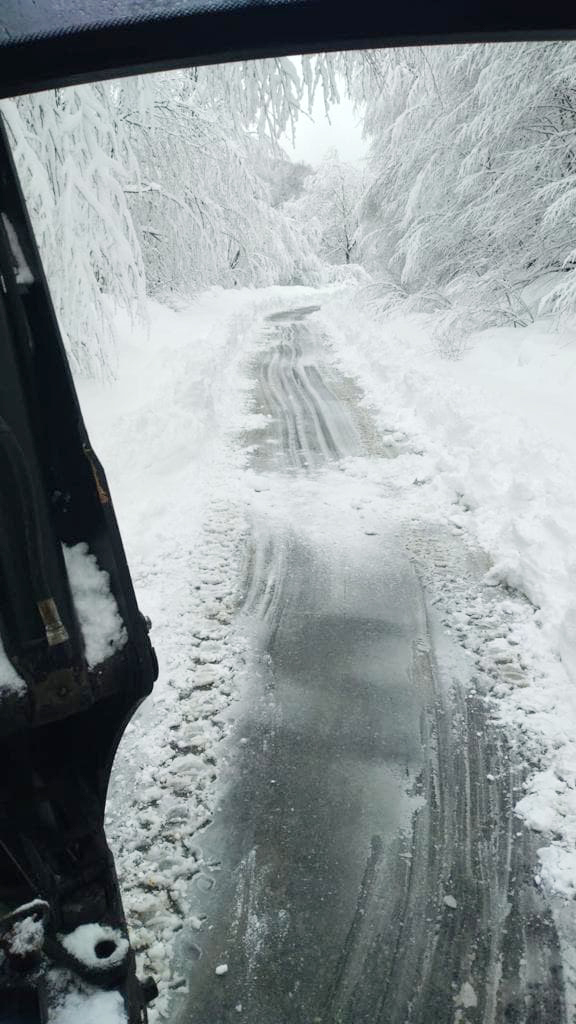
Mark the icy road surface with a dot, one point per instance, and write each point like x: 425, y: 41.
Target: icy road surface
x: 366, y: 864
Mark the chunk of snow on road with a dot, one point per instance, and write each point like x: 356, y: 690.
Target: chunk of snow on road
x: 449, y: 901
x: 96, y: 945
x: 102, y: 628
x: 466, y: 997
x: 221, y: 970
x: 558, y: 870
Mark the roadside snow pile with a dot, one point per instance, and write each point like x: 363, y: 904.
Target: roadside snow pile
x: 163, y: 791
x: 497, y: 431
x: 102, y: 628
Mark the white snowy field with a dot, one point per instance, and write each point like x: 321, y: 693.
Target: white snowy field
x: 489, y: 446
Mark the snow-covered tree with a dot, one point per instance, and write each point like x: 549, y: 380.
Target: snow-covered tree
x: 472, y: 189
x: 285, y: 178
x: 329, y: 206
x: 75, y: 162
x: 155, y: 182
x: 203, y: 210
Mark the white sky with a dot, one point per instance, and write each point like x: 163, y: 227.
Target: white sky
x: 313, y: 137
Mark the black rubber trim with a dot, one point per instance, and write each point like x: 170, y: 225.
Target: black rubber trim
x: 43, y: 48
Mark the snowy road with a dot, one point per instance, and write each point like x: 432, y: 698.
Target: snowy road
x: 366, y: 865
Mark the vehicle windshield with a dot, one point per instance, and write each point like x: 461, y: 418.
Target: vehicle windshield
x: 321, y: 317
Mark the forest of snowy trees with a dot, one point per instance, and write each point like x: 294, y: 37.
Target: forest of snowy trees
x: 152, y: 186
x: 171, y: 183
x: 471, y: 196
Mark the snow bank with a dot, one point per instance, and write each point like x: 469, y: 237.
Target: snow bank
x: 497, y: 429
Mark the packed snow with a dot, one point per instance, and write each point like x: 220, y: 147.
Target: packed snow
x: 23, y: 272
x: 26, y: 936
x: 90, y: 1006
x: 102, y: 628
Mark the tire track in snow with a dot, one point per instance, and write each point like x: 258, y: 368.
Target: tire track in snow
x: 314, y: 426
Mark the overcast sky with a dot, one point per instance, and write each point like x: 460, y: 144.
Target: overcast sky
x: 313, y: 137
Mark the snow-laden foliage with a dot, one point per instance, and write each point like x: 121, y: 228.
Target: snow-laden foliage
x: 329, y: 206
x: 75, y: 164
x: 154, y: 185
x: 203, y: 210
x: 176, y: 182
x: 473, y: 177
